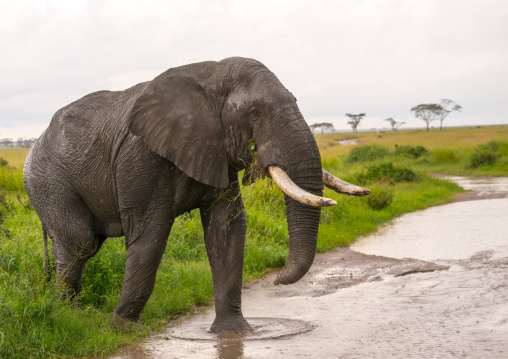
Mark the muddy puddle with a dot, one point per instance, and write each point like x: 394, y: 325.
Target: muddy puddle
x: 430, y: 284
x: 348, y: 142
x: 453, y: 231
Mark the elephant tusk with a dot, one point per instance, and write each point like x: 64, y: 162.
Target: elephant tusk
x: 292, y: 190
x: 343, y: 187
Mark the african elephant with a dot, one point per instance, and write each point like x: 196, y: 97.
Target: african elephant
x: 129, y: 162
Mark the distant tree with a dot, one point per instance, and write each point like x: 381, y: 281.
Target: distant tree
x: 428, y: 112
x: 326, y: 126
x: 6, y: 142
x: 395, y: 125
x: 444, y: 104
x: 355, y: 120
x: 323, y: 126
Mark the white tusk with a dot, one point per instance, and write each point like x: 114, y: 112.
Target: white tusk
x: 292, y: 190
x: 343, y: 187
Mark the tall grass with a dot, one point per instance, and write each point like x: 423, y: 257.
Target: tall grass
x: 35, y: 323
x: 11, y: 179
x: 14, y: 156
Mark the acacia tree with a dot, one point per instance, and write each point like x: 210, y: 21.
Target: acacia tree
x: 355, y: 120
x: 444, y: 104
x: 323, y: 126
x: 326, y: 126
x: 395, y: 125
x: 428, y: 112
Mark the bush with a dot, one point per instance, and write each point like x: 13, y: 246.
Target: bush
x: 415, y: 152
x: 387, y: 172
x: 3, y: 162
x: 485, y: 155
x: 444, y: 156
x: 379, y: 198
x: 367, y: 153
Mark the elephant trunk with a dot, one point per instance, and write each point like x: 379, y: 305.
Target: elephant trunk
x: 303, y: 223
x: 304, y: 169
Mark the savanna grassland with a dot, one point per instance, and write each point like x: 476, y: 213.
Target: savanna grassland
x: 397, y: 166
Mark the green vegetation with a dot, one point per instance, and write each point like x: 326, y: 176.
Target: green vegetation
x: 35, y: 323
x: 488, y: 154
x: 386, y: 172
x: 415, y: 152
x: 14, y: 156
x: 467, y: 151
x: 380, y: 197
x: 367, y: 153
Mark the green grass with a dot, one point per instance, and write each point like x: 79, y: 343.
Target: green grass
x: 447, y: 151
x: 35, y: 323
x: 15, y: 156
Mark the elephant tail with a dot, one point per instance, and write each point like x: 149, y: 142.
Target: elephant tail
x: 47, y: 272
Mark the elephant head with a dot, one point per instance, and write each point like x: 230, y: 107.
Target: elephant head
x: 205, y: 118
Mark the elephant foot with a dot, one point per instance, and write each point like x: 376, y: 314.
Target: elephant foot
x: 230, y: 324
x: 125, y: 325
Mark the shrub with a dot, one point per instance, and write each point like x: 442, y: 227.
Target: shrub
x: 444, y: 156
x: 503, y: 148
x: 367, y: 153
x: 3, y: 162
x: 485, y: 155
x: 379, y: 198
x: 415, y: 152
x: 387, y: 172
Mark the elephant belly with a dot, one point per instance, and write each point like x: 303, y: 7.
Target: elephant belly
x: 110, y: 229
x: 102, y: 202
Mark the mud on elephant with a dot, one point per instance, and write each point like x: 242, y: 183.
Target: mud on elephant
x: 129, y: 162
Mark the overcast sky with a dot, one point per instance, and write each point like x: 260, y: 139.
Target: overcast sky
x: 336, y: 57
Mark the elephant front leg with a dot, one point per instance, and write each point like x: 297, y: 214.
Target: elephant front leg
x: 225, y: 227
x: 145, y: 241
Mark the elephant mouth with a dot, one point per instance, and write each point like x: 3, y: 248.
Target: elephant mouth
x: 281, y: 178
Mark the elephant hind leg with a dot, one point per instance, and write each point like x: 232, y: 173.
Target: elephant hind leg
x: 73, y: 242
x: 69, y: 274
x: 70, y: 265
x: 67, y: 220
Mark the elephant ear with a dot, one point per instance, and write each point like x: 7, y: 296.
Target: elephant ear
x: 177, y: 121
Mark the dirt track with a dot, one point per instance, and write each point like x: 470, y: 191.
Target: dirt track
x: 449, y: 303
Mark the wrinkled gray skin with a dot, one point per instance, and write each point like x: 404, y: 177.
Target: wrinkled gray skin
x: 129, y: 162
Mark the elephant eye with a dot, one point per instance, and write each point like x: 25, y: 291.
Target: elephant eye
x: 254, y: 115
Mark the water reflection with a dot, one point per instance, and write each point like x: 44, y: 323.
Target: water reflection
x: 229, y: 346
x: 487, y: 184
x: 434, y: 233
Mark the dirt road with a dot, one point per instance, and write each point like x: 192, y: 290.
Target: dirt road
x: 447, y: 299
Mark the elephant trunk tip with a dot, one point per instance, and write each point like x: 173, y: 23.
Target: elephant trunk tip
x: 291, y: 274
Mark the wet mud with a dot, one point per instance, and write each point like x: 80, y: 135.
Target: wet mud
x: 431, y: 284
x: 264, y: 328
x: 345, y: 268
x: 348, y: 142
x: 480, y: 188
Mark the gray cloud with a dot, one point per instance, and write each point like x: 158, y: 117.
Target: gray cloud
x: 377, y: 57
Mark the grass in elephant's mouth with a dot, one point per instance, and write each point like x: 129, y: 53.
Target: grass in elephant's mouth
x: 35, y: 323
